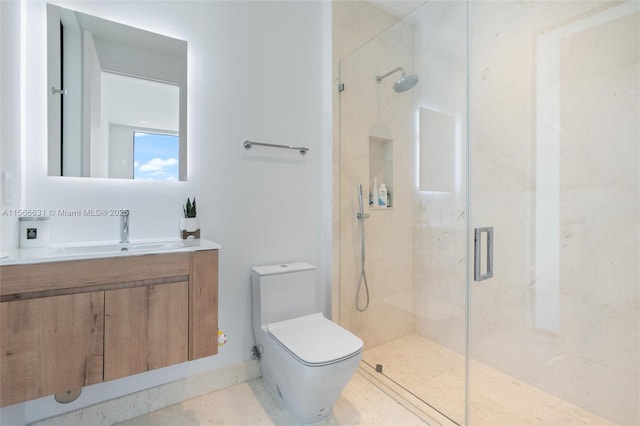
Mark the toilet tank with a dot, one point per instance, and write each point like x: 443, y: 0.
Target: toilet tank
x: 282, y: 292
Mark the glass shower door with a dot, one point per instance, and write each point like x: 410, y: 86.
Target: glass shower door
x: 409, y: 304
x: 554, y: 170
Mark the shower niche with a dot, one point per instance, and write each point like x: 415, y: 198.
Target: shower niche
x: 380, y: 169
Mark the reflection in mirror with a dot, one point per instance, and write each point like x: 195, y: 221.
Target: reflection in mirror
x: 155, y: 156
x: 117, y: 99
x: 134, y: 107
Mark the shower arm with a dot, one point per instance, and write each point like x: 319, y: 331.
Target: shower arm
x: 379, y: 78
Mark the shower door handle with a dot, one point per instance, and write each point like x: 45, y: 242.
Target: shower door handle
x: 478, y: 275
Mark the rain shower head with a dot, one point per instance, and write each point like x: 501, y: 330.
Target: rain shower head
x: 406, y: 82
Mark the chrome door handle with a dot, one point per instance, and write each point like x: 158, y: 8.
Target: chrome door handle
x: 478, y: 275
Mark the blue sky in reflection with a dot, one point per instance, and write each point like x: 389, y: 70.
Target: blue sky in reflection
x: 155, y: 156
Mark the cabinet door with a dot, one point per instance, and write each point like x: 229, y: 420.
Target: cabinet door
x: 50, y: 345
x: 204, y: 304
x: 145, y: 328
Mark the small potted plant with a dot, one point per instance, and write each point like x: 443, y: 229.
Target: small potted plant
x: 190, y: 224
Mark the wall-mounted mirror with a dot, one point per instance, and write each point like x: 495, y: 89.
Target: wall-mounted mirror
x: 117, y: 99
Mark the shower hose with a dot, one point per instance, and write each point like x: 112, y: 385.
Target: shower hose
x: 363, y: 275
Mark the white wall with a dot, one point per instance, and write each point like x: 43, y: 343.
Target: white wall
x: 255, y: 72
x: 9, y: 120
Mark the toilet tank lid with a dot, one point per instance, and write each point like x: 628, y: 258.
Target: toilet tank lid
x: 282, y: 268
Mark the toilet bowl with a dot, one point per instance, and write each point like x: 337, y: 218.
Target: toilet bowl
x: 306, y: 360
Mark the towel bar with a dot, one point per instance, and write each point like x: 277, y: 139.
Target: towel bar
x: 248, y: 144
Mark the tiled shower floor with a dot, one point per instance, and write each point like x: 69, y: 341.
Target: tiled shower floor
x: 435, y: 374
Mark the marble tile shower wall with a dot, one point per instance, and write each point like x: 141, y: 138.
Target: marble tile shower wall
x: 578, y: 338
x: 440, y: 221
x: 558, y: 179
x: 416, y: 251
x: 388, y: 231
x: 353, y: 24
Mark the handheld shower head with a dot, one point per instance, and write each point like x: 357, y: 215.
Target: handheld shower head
x: 406, y: 82
x: 361, y: 214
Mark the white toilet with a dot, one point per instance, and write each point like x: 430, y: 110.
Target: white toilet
x: 305, y: 359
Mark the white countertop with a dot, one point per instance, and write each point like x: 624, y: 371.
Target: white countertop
x: 102, y: 249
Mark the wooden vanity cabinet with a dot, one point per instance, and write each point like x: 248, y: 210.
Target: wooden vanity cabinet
x: 68, y: 324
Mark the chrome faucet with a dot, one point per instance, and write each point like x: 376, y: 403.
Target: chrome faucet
x: 124, y: 226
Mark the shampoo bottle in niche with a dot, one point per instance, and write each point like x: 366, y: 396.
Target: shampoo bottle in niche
x: 374, y: 193
x: 382, y: 195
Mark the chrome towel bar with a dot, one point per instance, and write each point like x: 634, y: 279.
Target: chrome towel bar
x: 248, y: 144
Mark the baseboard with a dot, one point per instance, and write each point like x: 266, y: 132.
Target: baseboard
x: 140, y: 403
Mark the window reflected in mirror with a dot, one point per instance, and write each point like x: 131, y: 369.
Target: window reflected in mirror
x: 143, y: 117
x: 155, y: 156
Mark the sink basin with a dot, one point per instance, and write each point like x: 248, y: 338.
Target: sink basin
x: 124, y: 247
x: 101, y: 249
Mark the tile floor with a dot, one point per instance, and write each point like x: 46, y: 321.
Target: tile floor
x: 437, y: 375
x: 250, y: 403
x: 510, y: 402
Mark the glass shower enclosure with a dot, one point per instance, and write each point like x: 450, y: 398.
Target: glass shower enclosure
x: 501, y: 279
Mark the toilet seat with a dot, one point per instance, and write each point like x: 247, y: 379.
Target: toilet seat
x: 314, y: 340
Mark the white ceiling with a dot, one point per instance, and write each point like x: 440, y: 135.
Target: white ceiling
x: 139, y: 102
